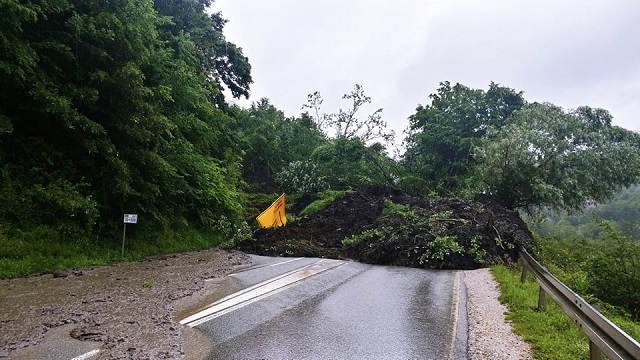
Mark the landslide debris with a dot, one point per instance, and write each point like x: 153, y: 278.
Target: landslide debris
x: 383, y: 225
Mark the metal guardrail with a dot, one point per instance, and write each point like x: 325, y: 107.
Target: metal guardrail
x: 604, y: 336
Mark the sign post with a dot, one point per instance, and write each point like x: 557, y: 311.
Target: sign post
x: 128, y: 219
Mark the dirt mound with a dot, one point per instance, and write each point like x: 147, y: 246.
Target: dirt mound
x: 383, y: 225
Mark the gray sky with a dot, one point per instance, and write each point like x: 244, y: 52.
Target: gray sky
x: 569, y: 53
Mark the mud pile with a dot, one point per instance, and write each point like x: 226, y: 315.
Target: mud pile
x: 383, y: 225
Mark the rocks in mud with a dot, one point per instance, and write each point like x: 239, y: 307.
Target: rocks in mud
x: 88, y: 333
x: 383, y: 225
x: 60, y: 273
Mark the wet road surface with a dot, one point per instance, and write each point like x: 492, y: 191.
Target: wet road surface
x: 305, y: 308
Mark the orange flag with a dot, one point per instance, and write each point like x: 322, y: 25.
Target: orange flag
x: 274, y: 215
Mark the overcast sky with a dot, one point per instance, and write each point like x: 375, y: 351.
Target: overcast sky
x: 569, y: 53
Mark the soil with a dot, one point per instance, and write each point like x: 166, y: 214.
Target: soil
x: 486, y: 233
x: 129, y: 307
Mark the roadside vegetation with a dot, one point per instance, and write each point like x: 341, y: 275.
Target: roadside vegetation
x: 550, y: 332
x: 40, y: 250
x: 603, y: 271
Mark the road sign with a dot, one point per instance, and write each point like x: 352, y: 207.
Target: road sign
x: 130, y: 218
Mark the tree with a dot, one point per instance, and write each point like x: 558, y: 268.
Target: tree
x: 351, y: 164
x: 441, y: 136
x: 549, y: 157
x: 345, y: 123
x: 221, y: 62
x: 355, y: 156
x: 99, y: 116
x: 271, y: 142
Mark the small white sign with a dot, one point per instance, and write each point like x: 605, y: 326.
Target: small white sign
x: 130, y: 218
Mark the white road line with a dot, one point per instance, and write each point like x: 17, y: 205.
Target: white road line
x: 259, y: 291
x: 265, y: 265
x: 454, y: 314
x: 87, y: 355
x: 257, y: 267
x: 285, y: 262
x: 251, y: 288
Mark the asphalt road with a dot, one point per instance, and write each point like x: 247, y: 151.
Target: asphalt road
x: 283, y: 308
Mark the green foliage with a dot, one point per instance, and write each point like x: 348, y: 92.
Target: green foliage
x: 255, y: 203
x: 301, y: 177
x: 326, y: 198
x: 440, y: 248
x: 548, y: 157
x: 622, y: 212
x: 352, y: 158
x: 115, y: 107
x: 45, y: 248
x: 551, y: 332
x: 271, y: 143
x: 442, y: 135
x: 614, y: 272
x: 351, y: 164
x: 475, y: 249
x: 392, y: 208
x: 199, y: 38
x: 418, y: 236
x: 367, y: 235
x: 605, y: 271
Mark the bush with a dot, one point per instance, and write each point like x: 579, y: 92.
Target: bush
x: 301, y: 177
x: 615, y: 271
x: 606, y: 270
x: 440, y: 248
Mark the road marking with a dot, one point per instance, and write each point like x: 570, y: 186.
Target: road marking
x: 284, y: 262
x: 454, y: 313
x: 87, y: 355
x: 259, y: 291
x: 257, y: 267
x: 265, y: 265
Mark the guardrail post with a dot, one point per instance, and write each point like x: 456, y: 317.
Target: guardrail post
x: 594, y: 352
x: 605, y: 338
x: 541, y: 299
x: 523, y: 277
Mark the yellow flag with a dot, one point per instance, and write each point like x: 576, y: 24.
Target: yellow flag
x: 274, y: 215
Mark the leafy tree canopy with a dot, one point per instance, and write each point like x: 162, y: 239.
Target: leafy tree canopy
x: 549, y: 157
x: 271, y: 142
x: 114, y: 107
x: 441, y: 136
x: 356, y: 155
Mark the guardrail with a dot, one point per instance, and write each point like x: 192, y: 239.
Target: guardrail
x: 604, y: 336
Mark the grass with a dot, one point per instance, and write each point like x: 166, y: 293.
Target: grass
x: 326, y: 198
x: 44, y: 249
x: 550, y: 332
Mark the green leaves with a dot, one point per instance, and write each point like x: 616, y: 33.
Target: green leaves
x: 108, y: 108
x: 442, y: 135
x: 549, y: 157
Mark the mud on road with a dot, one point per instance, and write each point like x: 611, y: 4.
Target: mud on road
x: 128, y: 307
